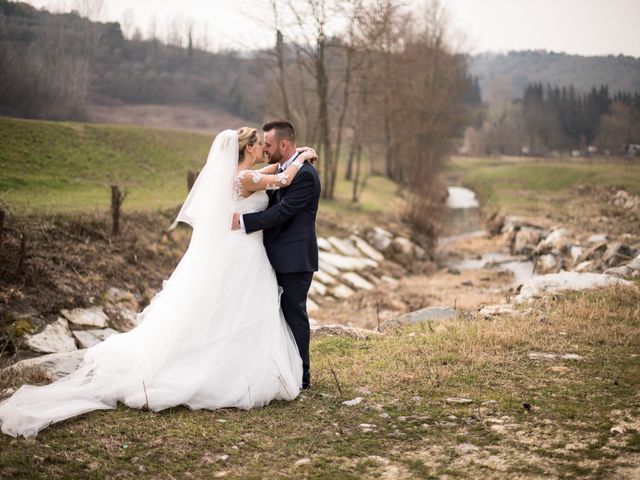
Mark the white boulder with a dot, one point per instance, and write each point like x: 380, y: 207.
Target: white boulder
x: 346, y: 263
x: 356, y: 281
x: 87, y: 317
x: 367, y: 249
x: 541, y: 285
x: 341, y: 291
x: 55, y: 338
x: 344, y: 247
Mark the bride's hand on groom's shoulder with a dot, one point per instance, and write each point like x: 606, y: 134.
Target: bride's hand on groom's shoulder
x: 308, y: 153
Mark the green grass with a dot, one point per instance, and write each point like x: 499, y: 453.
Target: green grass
x: 517, y: 182
x: 60, y: 166
x: 566, y: 432
x: 57, y: 167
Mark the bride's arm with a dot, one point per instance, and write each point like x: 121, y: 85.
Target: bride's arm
x: 253, y: 181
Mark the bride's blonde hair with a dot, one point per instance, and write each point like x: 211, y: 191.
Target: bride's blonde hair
x: 247, y: 136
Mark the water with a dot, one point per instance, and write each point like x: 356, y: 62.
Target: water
x: 464, y: 211
x: 522, y: 270
x: 463, y: 221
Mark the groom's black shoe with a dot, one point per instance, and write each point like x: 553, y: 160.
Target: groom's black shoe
x: 306, y: 385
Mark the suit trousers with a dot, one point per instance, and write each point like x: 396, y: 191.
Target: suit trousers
x: 294, y: 307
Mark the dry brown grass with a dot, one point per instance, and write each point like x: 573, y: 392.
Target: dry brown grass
x: 527, y: 418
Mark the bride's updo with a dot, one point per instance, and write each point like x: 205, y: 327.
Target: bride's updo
x: 246, y: 137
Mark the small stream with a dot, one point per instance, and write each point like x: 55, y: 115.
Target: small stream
x: 463, y: 222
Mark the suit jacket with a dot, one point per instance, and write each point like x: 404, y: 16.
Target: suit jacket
x: 289, y: 223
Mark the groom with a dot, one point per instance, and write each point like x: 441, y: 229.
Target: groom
x: 289, y: 233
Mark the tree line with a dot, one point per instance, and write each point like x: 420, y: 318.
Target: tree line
x: 52, y: 66
x: 560, y: 119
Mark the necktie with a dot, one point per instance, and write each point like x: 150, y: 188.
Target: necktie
x: 280, y: 169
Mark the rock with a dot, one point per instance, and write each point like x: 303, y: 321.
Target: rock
x: 423, y: 315
x: 586, y: 266
x: 547, y: 264
x: 342, y: 291
x: 344, y: 247
x: 380, y: 238
x: 541, y: 285
x: 55, y: 338
x: 465, y: 448
x: 625, y: 200
x: 324, y: 278
x: 367, y: 427
x: 618, y: 430
x: 526, y: 240
x: 558, y: 241
x: 597, y: 238
x: 317, y: 288
x: 576, y: 252
x: 122, y: 298
x: 87, y: 317
x: 367, y: 249
x: 635, y: 264
x: 554, y: 356
x: 390, y: 280
x: 594, y: 253
x: 302, y: 461
x: 346, y: 263
x: 620, y: 272
x: 617, y: 254
x: 328, y: 268
x: 89, y: 338
x: 356, y: 281
x: 500, y: 309
x: 335, y: 330
x: 353, y: 403
x: 123, y: 320
x: 323, y: 244
x: 54, y: 366
x: 513, y: 223
x: 459, y: 400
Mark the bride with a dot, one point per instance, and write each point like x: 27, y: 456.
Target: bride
x: 214, y: 337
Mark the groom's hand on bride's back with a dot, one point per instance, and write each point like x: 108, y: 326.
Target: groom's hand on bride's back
x: 235, y: 223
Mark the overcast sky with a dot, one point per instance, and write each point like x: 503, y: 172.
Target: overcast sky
x: 587, y: 27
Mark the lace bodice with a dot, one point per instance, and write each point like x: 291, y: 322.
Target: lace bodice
x: 256, y: 202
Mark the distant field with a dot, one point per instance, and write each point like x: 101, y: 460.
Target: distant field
x: 51, y: 167
x: 522, y: 184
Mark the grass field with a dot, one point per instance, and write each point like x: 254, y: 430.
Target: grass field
x: 526, y: 418
x: 524, y: 185
x: 54, y: 167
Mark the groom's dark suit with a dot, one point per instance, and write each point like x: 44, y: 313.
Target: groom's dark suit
x: 292, y: 248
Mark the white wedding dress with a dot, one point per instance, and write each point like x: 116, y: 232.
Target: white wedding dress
x: 214, y: 337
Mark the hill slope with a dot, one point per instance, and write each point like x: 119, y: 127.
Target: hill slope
x: 512, y: 72
x: 69, y: 166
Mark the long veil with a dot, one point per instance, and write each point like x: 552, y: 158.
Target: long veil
x: 147, y: 366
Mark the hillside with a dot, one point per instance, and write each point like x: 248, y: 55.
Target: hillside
x: 57, y: 166
x: 507, y: 75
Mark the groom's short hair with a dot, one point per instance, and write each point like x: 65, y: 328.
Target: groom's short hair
x: 284, y: 130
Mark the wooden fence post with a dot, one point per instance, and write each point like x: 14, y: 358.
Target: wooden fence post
x: 2, y: 218
x: 191, y: 179
x: 117, y: 197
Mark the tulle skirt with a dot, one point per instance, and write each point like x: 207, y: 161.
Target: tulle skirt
x: 202, y: 343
